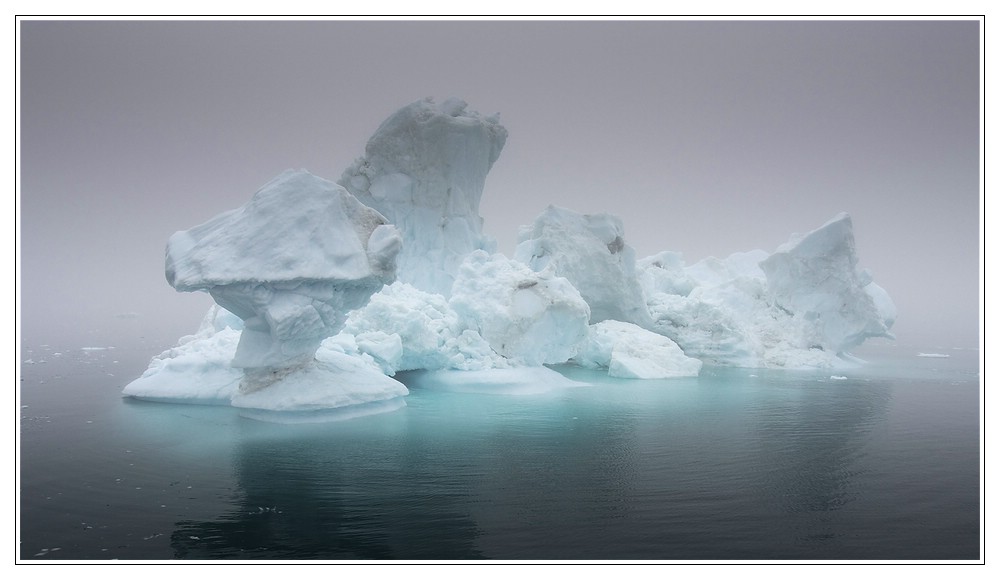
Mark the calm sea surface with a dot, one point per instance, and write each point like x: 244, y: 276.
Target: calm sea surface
x: 735, y: 464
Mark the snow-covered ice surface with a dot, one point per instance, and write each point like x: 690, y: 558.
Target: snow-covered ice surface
x: 327, y: 290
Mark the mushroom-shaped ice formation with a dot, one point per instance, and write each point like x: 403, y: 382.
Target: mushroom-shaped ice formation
x: 291, y: 263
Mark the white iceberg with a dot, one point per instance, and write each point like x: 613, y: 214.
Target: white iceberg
x: 323, y: 296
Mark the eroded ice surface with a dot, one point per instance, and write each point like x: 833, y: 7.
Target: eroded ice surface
x: 589, y: 251
x: 424, y: 169
x: 531, y: 318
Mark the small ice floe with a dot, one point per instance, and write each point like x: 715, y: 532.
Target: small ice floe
x: 933, y: 355
x: 93, y: 348
x: 837, y: 378
x: 265, y: 510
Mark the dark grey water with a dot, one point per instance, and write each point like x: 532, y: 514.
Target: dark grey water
x: 736, y: 464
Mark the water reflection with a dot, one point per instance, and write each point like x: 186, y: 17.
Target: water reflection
x: 332, y: 494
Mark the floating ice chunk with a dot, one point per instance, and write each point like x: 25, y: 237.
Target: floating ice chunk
x: 631, y: 352
x: 933, y: 355
x: 531, y: 318
x: 589, y: 251
x: 424, y: 169
x: 837, y: 378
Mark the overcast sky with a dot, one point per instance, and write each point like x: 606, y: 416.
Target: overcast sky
x: 705, y: 137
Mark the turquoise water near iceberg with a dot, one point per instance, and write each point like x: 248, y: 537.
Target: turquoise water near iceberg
x: 736, y: 464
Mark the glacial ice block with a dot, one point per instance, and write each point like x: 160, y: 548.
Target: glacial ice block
x: 715, y: 310
x: 630, y: 352
x: 815, y: 278
x: 291, y: 263
x: 531, y: 318
x: 589, y: 251
x: 424, y: 169
x: 429, y: 333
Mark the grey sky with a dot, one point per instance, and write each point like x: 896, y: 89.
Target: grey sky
x: 705, y: 137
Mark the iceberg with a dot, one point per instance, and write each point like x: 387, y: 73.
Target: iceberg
x: 424, y: 169
x: 326, y: 291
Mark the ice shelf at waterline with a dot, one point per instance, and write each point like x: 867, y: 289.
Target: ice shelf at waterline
x: 326, y: 290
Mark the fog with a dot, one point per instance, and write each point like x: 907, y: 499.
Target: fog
x: 704, y: 137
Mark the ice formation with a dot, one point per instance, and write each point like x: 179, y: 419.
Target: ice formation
x: 424, y: 169
x: 405, y: 329
x: 326, y: 291
x: 630, y: 352
x: 531, y: 318
x: 805, y: 305
x: 198, y: 369
x: 589, y: 251
x: 816, y: 279
x: 291, y: 263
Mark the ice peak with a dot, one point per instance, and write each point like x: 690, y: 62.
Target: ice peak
x: 425, y: 169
